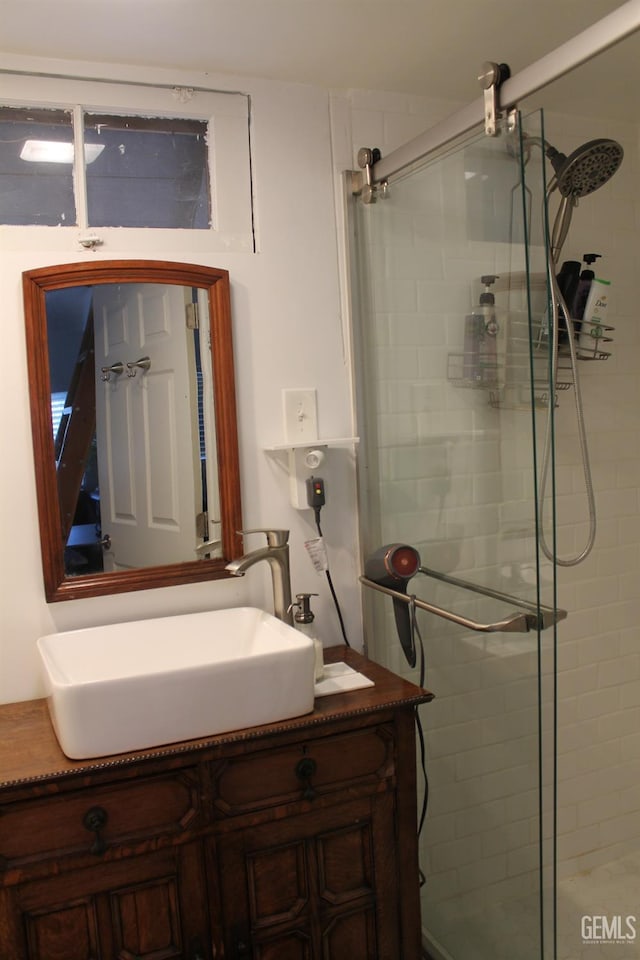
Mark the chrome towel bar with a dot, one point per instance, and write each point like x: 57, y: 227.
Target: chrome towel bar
x: 531, y: 616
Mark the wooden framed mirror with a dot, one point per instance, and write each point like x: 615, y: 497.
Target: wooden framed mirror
x: 133, y: 412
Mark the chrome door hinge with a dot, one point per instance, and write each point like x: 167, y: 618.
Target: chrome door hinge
x: 202, y: 525
x: 191, y: 311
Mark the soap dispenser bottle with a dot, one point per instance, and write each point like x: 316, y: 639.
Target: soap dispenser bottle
x: 493, y: 342
x: 568, y: 280
x: 473, y: 337
x: 304, y: 620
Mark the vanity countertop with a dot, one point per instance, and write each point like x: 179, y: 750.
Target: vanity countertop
x: 30, y: 753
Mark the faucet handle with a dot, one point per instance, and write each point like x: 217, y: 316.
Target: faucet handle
x: 275, y: 538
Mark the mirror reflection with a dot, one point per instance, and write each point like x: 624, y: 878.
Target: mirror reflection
x: 131, y: 432
x: 134, y: 424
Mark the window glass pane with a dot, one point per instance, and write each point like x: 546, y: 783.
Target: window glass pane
x: 36, y: 167
x: 58, y: 401
x: 152, y: 172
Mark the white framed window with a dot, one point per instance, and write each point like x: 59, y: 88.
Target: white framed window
x: 113, y: 160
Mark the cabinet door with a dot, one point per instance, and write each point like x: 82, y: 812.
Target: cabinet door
x: 321, y: 885
x: 152, y: 907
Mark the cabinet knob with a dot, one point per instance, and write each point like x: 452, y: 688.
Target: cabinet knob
x: 94, y: 821
x: 305, y: 769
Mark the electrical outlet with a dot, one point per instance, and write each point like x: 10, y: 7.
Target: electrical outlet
x: 300, y: 416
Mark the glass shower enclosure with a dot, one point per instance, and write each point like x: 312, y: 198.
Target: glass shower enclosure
x: 455, y: 405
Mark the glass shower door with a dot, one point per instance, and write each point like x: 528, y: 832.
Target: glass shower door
x: 454, y: 400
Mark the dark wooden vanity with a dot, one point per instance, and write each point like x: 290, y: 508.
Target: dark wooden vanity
x: 285, y: 841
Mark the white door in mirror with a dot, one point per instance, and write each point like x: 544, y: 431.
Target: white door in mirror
x: 150, y: 488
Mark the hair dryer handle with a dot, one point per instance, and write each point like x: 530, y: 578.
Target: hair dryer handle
x: 405, y: 632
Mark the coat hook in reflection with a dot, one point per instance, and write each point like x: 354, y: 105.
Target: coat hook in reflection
x: 142, y: 364
x: 116, y: 368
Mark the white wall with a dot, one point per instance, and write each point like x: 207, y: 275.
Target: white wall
x: 288, y: 332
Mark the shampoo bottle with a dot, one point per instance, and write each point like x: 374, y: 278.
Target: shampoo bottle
x: 304, y: 620
x: 584, y: 285
x: 568, y: 280
x: 592, y: 329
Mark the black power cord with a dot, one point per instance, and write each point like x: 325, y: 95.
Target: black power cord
x: 316, y: 500
x: 425, y: 798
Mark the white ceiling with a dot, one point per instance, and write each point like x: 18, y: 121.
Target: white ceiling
x: 430, y: 47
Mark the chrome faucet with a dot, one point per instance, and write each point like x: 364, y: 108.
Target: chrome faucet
x: 276, y: 553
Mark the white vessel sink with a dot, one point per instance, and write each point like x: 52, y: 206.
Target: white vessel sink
x: 131, y: 686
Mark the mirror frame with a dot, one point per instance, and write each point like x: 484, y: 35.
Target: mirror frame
x: 36, y: 284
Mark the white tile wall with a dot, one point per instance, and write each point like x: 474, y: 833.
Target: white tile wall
x: 604, y: 592
x: 455, y: 479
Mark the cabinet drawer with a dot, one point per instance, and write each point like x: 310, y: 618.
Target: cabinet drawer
x: 304, y: 771
x: 91, y: 820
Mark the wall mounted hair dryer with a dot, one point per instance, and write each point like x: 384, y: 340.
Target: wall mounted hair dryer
x: 393, y: 566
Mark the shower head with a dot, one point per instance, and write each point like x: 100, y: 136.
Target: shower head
x: 587, y: 168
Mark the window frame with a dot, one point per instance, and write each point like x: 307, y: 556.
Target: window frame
x: 227, y: 115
